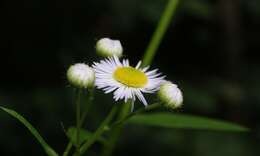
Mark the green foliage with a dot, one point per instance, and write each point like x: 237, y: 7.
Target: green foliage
x: 84, y: 135
x: 168, y: 120
x: 49, y: 151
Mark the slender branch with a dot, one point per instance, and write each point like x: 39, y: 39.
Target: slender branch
x: 89, y: 103
x: 67, y: 150
x: 99, y: 131
x: 78, y: 122
x: 117, y: 126
x: 90, y: 98
x: 109, y: 147
x: 159, y: 32
x: 148, y: 108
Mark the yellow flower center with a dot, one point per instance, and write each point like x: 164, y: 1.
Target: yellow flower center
x: 130, y: 76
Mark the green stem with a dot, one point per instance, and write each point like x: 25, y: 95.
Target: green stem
x: 148, y: 108
x: 89, y: 103
x: 118, y: 126
x: 99, y: 131
x: 67, y: 150
x: 109, y: 147
x: 90, y: 98
x: 78, y: 123
x: 159, y: 32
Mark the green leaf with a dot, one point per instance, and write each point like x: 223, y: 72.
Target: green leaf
x: 168, y: 120
x: 84, y: 135
x: 49, y: 151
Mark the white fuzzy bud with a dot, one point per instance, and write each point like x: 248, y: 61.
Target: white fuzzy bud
x: 107, y: 47
x: 170, y: 95
x: 81, y: 75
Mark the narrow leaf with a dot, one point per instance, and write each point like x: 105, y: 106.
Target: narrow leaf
x: 168, y: 120
x: 49, y: 151
x: 84, y: 135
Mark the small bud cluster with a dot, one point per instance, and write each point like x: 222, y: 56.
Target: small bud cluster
x: 81, y: 75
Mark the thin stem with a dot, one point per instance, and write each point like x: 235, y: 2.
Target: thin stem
x: 109, y: 147
x: 89, y: 103
x: 99, y: 131
x: 90, y: 98
x: 67, y: 150
x: 148, y: 108
x: 159, y: 32
x: 78, y: 123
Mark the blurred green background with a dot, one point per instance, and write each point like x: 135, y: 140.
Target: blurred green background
x: 211, y: 51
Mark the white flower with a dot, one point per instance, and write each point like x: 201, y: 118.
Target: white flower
x: 170, y: 95
x: 125, y: 81
x: 81, y: 75
x: 107, y: 47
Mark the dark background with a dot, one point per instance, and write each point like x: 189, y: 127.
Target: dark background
x: 211, y: 51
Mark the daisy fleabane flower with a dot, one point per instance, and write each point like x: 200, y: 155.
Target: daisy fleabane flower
x: 125, y: 81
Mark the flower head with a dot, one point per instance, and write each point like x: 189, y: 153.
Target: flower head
x: 81, y: 75
x: 170, y: 95
x: 107, y: 47
x: 125, y: 81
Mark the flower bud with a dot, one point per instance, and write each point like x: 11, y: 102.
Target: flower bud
x: 81, y: 75
x: 107, y: 47
x: 170, y: 95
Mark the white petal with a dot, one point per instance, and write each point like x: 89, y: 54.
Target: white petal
x: 138, y: 65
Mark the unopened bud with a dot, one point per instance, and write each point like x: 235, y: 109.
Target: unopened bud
x: 81, y: 75
x: 170, y: 95
x: 107, y: 47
